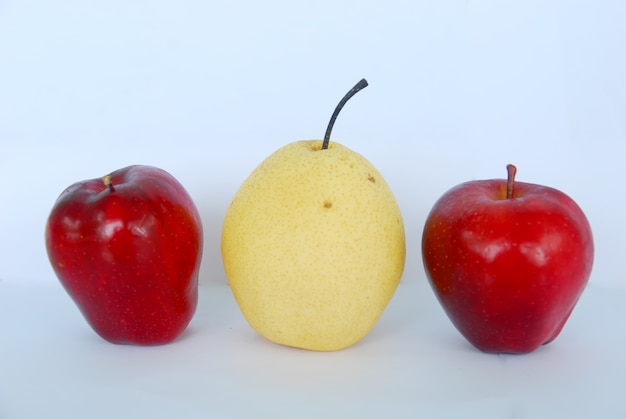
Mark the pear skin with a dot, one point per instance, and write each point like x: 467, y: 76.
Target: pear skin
x: 313, y: 246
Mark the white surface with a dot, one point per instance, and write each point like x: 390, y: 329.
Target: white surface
x: 412, y: 364
x: 206, y: 90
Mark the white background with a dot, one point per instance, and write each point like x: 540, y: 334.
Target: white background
x: 206, y: 90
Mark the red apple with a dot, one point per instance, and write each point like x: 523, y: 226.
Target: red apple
x: 508, y: 261
x: 127, y: 249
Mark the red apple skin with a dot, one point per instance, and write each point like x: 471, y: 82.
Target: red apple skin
x: 507, y: 272
x: 129, y: 255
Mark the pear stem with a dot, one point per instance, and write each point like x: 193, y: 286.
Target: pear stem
x: 360, y: 85
x: 511, y: 170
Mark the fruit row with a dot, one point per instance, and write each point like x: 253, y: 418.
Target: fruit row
x: 313, y: 246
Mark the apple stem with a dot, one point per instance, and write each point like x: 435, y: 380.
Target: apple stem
x: 360, y: 85
x: 511, y: 170
x: 108, y: 182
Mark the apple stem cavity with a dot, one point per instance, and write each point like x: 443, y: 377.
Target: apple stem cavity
x: 108, y: 182
x: 511, y: 170
x: 359, y: 86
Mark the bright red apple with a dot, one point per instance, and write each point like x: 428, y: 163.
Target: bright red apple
x: 508, y: 261
x: 127, y: 248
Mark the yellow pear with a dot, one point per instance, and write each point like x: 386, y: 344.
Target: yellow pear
x: 313, y: 245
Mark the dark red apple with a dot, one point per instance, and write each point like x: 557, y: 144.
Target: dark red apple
x: 508, y: 261
x: 127, y: 248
